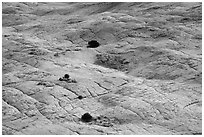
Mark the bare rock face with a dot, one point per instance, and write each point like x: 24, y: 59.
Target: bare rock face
x: 101, y: 68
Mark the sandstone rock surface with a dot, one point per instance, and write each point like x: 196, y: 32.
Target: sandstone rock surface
x: 144, y: 78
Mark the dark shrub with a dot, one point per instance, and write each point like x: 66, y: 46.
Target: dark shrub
x: 86, y: 117
x: 93, y: 44
x: 66, y: 76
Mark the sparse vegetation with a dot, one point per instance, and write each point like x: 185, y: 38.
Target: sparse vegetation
x: 155, y: 47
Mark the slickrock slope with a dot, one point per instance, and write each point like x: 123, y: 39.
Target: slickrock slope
x: 144, y: 78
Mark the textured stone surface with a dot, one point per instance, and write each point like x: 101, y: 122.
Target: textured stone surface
x: 144, y: 78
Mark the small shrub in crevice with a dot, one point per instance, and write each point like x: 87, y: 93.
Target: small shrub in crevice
x: 72, y: 81
x: 46, y: 84
x: 80, y: 97
x: 60, y: 79
x: 67, y: 79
